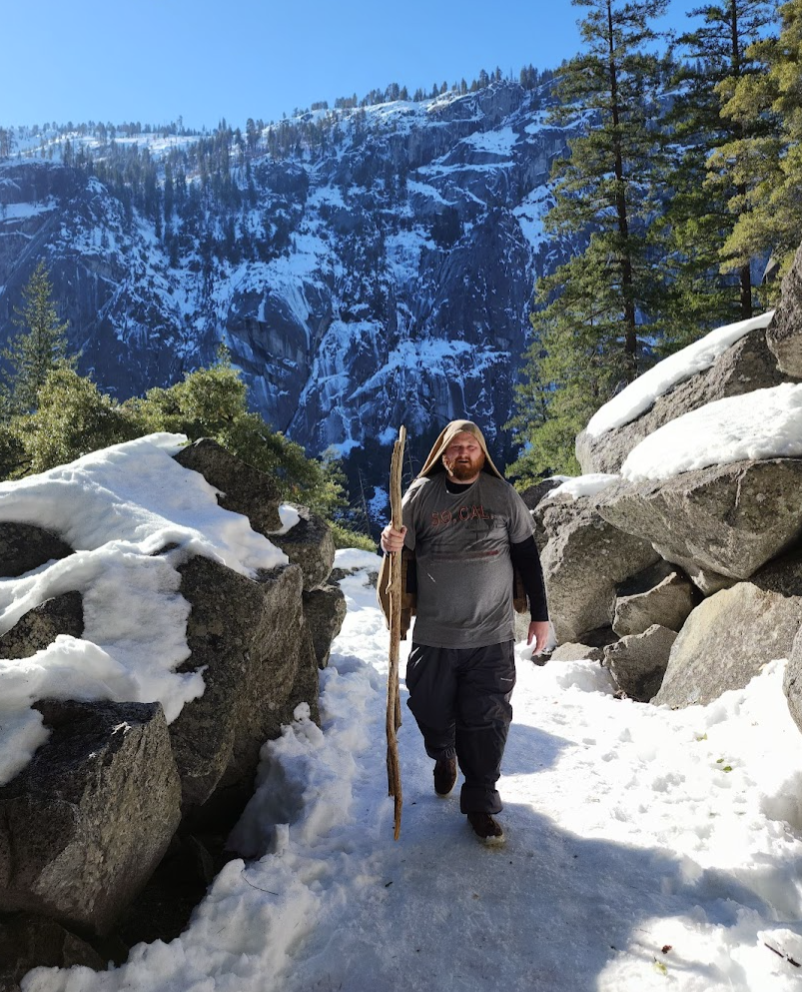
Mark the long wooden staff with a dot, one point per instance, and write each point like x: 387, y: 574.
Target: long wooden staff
x: 395, y: 593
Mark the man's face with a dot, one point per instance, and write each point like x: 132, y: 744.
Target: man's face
x: 464, y: 458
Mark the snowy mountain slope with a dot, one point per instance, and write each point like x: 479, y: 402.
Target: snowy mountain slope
x: 365, y: 267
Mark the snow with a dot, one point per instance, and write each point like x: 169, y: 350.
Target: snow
x: 647, y: 849
x: 289, y: 516
x: 640, y: 395
x: 582, y: 485
x: 766, y: 423
x: 117, y: 508
x: 497, y: 142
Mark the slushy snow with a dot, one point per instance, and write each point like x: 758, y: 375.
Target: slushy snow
x: 647, y: 849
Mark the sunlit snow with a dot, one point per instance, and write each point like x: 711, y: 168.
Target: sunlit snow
x: 640, y: 395
x: 766, y: 423
x: 647, y: 849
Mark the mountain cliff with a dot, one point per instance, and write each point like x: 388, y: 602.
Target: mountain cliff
x: 365, y: 267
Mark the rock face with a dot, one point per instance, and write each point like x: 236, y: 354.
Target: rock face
x: 259, y: 663
x: 325, y: 610
x: 784, y: 334
x: 87, y: 821
x: 28, y: 941
x: 388, y: 279
x: 592, y: 647
x: 242, y: 488
x: 583, y: 562
x: 638, y: 662
x: 728, y: 519
x: 309, y: 544
x: 731, y: 635
x: 792, y: 680
x: 659, y: 595
x: 24, y: 547
x: 41, y: 625
x: 533, y: 497
x: 746, y: 366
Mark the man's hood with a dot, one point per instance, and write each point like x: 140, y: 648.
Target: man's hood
x: 434, y: 463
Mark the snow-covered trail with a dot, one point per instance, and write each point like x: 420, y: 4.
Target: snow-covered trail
x: 646, y: 849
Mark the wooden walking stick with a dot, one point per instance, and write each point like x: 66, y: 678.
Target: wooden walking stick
x: 395, y: 593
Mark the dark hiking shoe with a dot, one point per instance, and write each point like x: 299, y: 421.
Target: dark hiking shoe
x: 445, y: 775
x: 488, y: 830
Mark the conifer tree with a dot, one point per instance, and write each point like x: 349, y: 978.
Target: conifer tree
x: 698, y: 221
x: 39, y: 347
x: 766, y: 162
x: 591, y: 310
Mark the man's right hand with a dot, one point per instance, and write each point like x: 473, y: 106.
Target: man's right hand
x: 392, y: 540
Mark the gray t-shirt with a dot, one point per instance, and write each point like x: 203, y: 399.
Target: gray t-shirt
x: 462, y: 548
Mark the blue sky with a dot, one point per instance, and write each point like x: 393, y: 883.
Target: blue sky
x: 148, y: 61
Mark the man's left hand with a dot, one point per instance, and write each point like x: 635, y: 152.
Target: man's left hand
x: 539, y: 633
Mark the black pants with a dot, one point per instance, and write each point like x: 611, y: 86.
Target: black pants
x: 460, y: 698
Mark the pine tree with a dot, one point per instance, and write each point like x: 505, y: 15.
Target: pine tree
x: 39, y: 347
x: 592, y: 311
x: 698, y: 221
x: 766, y: 163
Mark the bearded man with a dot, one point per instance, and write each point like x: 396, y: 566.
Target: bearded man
x: 471, y: 534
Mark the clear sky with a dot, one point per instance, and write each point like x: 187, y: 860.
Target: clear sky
x: 152, y: 61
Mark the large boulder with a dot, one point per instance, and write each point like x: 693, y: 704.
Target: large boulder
x: 242, y: 488
x: 658, y: 595
x: 533, y: 496
x: 24, y: 547
x: 584, y: 560
x: 784, y: 333
x: 638, y: 662
x: 309, y: 543
x: 728, y: 520
x: 792, y: 680
x: 325, y: 610
x: 731, y: 635
x: 40, y: 626
x: 252, y: 643
x: 85, y: 823
x: 591, y: 649
x: 28, y: 941
x: 745, y: 366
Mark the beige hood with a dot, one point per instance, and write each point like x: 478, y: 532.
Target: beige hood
x: 434, y: 463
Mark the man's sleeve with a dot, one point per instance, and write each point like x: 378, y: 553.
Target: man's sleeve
x: 525, y: 559
x: 526, y: 562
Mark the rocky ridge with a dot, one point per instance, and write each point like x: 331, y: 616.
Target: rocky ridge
x: 111, y: 833
x: 722, y: 594
x: 394, y: 285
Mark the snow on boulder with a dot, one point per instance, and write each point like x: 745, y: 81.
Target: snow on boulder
x: 729, y: 361
x: 763, y: 424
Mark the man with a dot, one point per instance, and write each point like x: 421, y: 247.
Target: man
x: 470, y: 532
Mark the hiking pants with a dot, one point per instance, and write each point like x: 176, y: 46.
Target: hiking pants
x: 460, y: 698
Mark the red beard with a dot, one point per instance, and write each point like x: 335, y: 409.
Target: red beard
x: 462, y: 470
